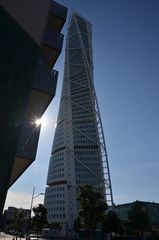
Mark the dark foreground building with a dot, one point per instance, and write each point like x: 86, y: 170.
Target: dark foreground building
x: 30, y: 43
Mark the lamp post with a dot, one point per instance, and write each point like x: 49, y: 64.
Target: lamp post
x: 33, y: 197
x: 31, y: 207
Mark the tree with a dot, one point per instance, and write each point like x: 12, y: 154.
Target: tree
x: 138, y: 218
x: 77, y: 225
x: 40, y: 218
x: 92, y: 209
x: 112, y: 223
x: 19, y: 220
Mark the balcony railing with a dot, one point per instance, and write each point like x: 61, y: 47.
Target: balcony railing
x: 45, y: 80
x: 28, y: 142
x: 53, y: 40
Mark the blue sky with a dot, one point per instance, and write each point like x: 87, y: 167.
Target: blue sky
x: 126, y: 75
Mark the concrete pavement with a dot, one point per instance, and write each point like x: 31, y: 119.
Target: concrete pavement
x: 4, y: 236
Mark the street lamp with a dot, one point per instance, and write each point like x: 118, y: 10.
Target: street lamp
x: 33, y: 197
x: 31, y: 207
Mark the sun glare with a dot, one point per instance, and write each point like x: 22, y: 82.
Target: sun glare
x: 40, y: 121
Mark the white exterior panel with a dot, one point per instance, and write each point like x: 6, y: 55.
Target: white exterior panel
x: 78, y: 141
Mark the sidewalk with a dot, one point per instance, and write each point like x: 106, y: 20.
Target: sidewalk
x: 8, y: 237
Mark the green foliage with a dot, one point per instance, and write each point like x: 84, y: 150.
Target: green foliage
x: 77, y: 225
x: 93, y: 211
x: 112, y: 223
x: 92, y: 208
x: 40, y: 218
x: 138, y: 217
x: 19, y: 220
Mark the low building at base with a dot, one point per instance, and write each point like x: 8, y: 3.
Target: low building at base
x: 11, y: 216
x: 151, y: 208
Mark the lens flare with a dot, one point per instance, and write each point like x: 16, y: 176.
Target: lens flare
x: 40, y: 121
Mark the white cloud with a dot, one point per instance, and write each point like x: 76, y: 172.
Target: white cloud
x: 21, y: 200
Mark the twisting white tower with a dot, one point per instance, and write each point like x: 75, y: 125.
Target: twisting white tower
x: 79, y: 153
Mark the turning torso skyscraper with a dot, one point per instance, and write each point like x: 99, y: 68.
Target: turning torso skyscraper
x: 78, y: 154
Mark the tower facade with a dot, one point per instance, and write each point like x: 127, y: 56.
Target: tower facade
x: 78, y: 154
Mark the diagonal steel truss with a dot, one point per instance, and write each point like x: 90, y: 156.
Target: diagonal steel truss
x: 105, y: 179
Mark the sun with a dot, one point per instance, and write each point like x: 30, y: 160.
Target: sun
x: 40, y: 121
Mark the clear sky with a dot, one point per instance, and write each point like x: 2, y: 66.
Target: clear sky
x: 126, y: 75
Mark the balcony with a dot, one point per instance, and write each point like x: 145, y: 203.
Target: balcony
x: 51, y: 47
x: 26, y: 150
x: 45, y: 81
x: 57, y: 17
x: 43, y: 91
